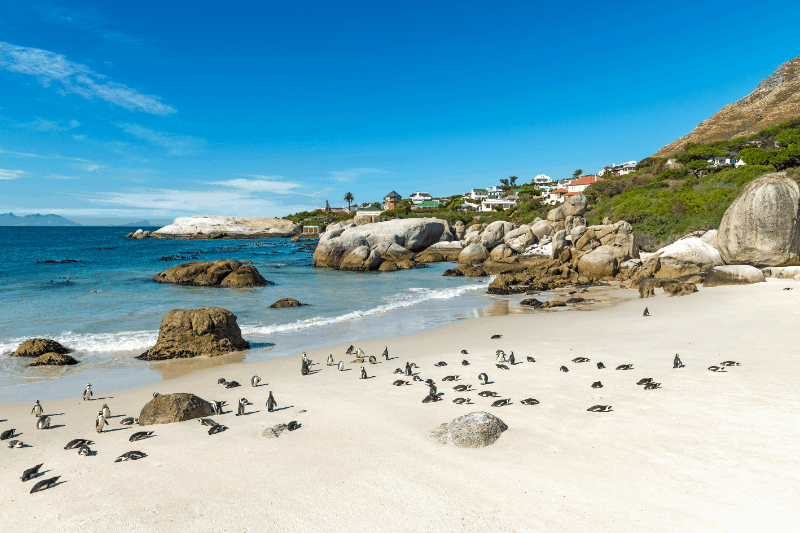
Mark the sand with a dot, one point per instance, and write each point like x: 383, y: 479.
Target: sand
x: 706, y: 452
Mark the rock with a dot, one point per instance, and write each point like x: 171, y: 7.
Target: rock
x: 542, y: 229
x: 37, y: 347
x: 286, y: 302
x: 501, y: 284
x: 781, y: 272
x: 221, y: 273
x: 394, y: 252
x: 687, y: 256
x: 55, y: 359
x: 599, y: 263
x: 733, y: 275
x: 209, y: 331
x: 460, y: 229
x: 474, y: 253
x: 679, y: 288
x: 475, y: 430
x: 446, y: 246
x: 520, y: 239
x: 453, y: 273
x: 559, y: 243
x: 762, y: 226
x: 710, y: 238
x: 501, y: 251
x: 573, y: 205
x: 207, y: 225
x: 361, y: 259
x: 429, y: 256
x: 275, y: 431
x: 440, y: 251
x: 177, y: 407
x: 406, y: 264
x: 472, y: 238
x: 576, y: 234
x: 472, y: 271
x: 495, y: 233
x: 388, y: 266
x: 607, y: 221
x: 532, y: 302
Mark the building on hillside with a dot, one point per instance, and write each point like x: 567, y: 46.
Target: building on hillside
x: 491, y: 204
x: 494, y: 191
x: 724, y: 160
x: 556, y: 195
x: 391, y: 200
x: 367, y: 214
x: 580, y: 184
x: 478, y: 194
x: 541, y: 180
x: 619, y: 170
x: 419, y: 197
x: 334, y: 209
x: 428, y: 204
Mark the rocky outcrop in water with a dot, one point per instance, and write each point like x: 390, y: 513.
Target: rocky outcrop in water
x: 38, y: 347
x: 54, y: 359
x: 177, y: 407
x: 286, y: 302
x: 221, y: 273
x: 232, y: 226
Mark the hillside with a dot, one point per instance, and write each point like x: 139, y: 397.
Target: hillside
x: 776, y: 99
x: 10, y: 219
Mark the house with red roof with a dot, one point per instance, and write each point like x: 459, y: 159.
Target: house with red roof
x: 580, y: 184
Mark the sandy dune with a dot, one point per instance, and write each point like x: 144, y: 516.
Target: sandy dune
x: 706, y: 452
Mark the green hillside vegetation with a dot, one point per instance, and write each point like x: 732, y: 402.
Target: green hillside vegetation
x: 665, y: 202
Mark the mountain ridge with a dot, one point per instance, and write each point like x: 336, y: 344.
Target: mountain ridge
x: 10, y: 219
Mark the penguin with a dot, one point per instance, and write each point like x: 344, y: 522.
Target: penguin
x: 291, y: 426
x: 129, y: 421
x: 372, y: 360
x: 242, y: 407
x: 462, y: 388
x: 219, y: 428
x: 306, y: 359
x: 730, y: 363
x: 44, y: 485
x: 43, y: 422
x: 531, y: 359
x: 218, y: 406
x: 221, y: 381
x: 487, y: 394
x: 106, y: 411
x: 87, y: 393
x: 7, y: 434
x: 207, y: 422
x: 599, y: 408
x: 432, y: 389
x: 500, y: 403
x: 449, y: 378
x: 254, y: 381
x: 464, y: 363
x: 398, y: 371
x: 360, y: 353
x: 597, y: 385
x: 646, y: 312
x: 459, y: 401
x: 502, y: 367
x: 429, y: 399
x: 580, y: 360
x: 483, y: 377
x: 512, y: 361
x: 271, y: 405
x: 644, y: 381
x: 716, y: 369
x: 464, y: 352
x: 600, y: 365
x: 139, y: 435
x: 564, y: 369
x: 417, y: 378
x: 651, y: 386
x: 497, y: 336
x: 156, y: 394
x: 676, y: 363
x: 363, y: 373
x: 625, y: 367
x: 100, y: 423
x: 440, y: 363
x: 16, y: 444
x: 37, y: 409
x: 304, y: 368
x: 77, y: 443
x: 330, y: 359
x: 500, y: 356
x: 349, y: 350
x: 385, y: 353
x: 429, y: 381
x: 400, y: 383
x: 341, y: 365
x: 408, y: 369
x: 232, y: 384
x: 84, y: 450
x: 130, y: 456
x: 30, y: 473
x: 529, y: 401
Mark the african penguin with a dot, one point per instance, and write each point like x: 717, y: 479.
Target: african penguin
x: 676, y: 363
x: 84, y: 450
x: 129, y: 421
x: 372, y: 360
x: 500, y: 403
x: 242, y: 406
x: 221, y: 381
x: 599, y: 408
x: 37, y: 409
x: 597, y: 385
x: 43, y: 422
x: 529, y: 401
x: 46, y: 484
x: 600, y: 365
x: 330, y: 359
x: 254, y: 381
x: 7, y: 434
x: 564, y: 369
x: 271, y: 405
x: 511, y: 359
x: 625, y: 367
x: 77, y: 443
x: 464, y: 362
x: 130, y: 456
x: 341, y: 365
x: 483, y: 377
x: 106, y: 411
x: 87, y: 393
x: 219, y: 428
x: 16, y: 444
x: 363, y: 373
x: 30, y: 473
x: 646, y: 312
x: 139, y: 435
x: 531, y: 359
x: 385, y: 353
x: 100, y: 423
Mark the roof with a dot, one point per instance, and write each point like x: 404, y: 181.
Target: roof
x: 586, y: 180
x: 429, y: 203
x: 572, y: 193
x: 420, y: 194
x: 393, y: 194
x: 369, y: 210
x: 561, y: 190
x: 479, y: 190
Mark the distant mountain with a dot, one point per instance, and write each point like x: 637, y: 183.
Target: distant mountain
x: 776, y: 99
x: 10, y: 219
x: 141, y: 223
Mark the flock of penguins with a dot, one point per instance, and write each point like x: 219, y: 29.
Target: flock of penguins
x: 104, y: 414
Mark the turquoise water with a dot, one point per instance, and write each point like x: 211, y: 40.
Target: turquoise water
x: 108, y: 310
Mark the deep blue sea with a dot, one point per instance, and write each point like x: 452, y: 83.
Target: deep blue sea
x: 107, y: 308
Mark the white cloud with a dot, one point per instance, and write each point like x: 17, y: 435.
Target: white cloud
x: 273, y: 184
x: 52, y: 68
x: 11, y: 174
x: 40, y: 124
x: 351, y: 173
x: 175, y: 144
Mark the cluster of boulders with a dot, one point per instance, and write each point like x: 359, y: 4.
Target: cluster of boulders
x: 219, y: 227
x: 45, y: 352
x: 221, y: 273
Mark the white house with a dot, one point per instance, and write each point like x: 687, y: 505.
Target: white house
x: 622, y: 169
x: 724, y: 160
x: 419, y: 197
x: 541, y: 180
x: 491, y: 204
x: 556, y: 195
x: 580, y: 184
x: 478, y: 194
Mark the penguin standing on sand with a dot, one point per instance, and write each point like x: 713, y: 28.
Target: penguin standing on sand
x: 408, y: 369
x: 676, y: 363
x: 646, y: 312
x: 87, y: 394
x: 106, y: 411
x: 242, y: 406
x: 363, y: 373
x: 271, y: 405
x: 341, y: 365
x: 304, y: 368
x: 100, y: 423
x: 385, y: 354
x: 330, y: 359
x: 511, y: 359
x: 255, y: 381
x: 37, y: 409
x: 43, y: 422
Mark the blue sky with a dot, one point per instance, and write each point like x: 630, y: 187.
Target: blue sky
x: 163, y: 109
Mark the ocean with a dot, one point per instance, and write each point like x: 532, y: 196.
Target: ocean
x: 106, y: 307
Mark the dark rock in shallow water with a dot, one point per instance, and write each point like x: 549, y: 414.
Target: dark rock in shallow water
x: 169, y: 408
x: 286, y: 302
x: 37, y: 347
x: 474, y: 430
x: 453, y: 272
x: 54, y: 359
x: 222, y: 273
x: 209, y: 331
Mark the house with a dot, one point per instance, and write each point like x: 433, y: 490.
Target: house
x: 556, y: 195
x: 419, y: 197
x: 491, y: 204
x: 494, y: 191
x: 724, y: 160
x: 580, y: 184
x: 619, y: 170
x: 367, y: 214
x: 478, y: 194
x: 428, y: 204
x: 391, y: 200
x: 542, y: 180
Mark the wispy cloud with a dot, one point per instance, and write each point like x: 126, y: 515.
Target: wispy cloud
x: 352, y: 173
x: 11, y: 174
x: 174, y: 144
x: 273, y: 184
x: 23, y: 154
x: 86, y: 18
x: 51, y: 68
x: 40, y: 124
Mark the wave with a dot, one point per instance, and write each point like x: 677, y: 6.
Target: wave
x: 398, y: 301
x: 93, y: 342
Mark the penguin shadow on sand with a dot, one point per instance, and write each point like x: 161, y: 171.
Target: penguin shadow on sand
x: 56, y: 426
x: 282, y: 408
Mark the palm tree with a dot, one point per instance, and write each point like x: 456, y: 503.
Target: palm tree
x: 577, y: 173
x: 349, y: 198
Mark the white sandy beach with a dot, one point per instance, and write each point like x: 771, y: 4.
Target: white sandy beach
x: 706, y: 452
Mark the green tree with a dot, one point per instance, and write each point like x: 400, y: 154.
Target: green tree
x: 707, y: 151
x: 504, y: 183
x: 788, y: 137
x: 349, y: 198
x: 512, y: 180
x: 327, y: 207
x: 755, y: 156
x: 697, y: 166
x: 577, y: 173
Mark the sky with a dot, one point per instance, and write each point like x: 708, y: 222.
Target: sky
x: 154, y: 110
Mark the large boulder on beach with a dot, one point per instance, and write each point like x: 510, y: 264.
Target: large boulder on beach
x: 495, y: 233
x: 37, y: 347
x: 249, y: 226
x: 543, y: 228
x: 733, y: 275
x: 500, y: 252
x: 792, y: 272
x: 209, y: 331
x: 441, y: 251
x: 602, y: 262
x: 220, y: 273
x: 573, y: 205
x: 361, y: 259
x: 474, y: 430
x: 472, y: 254
x: 520, y: 238
x: 177, y: 407
x: 762, y: 225
x: 687, y: 256
x: 54, y: 359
